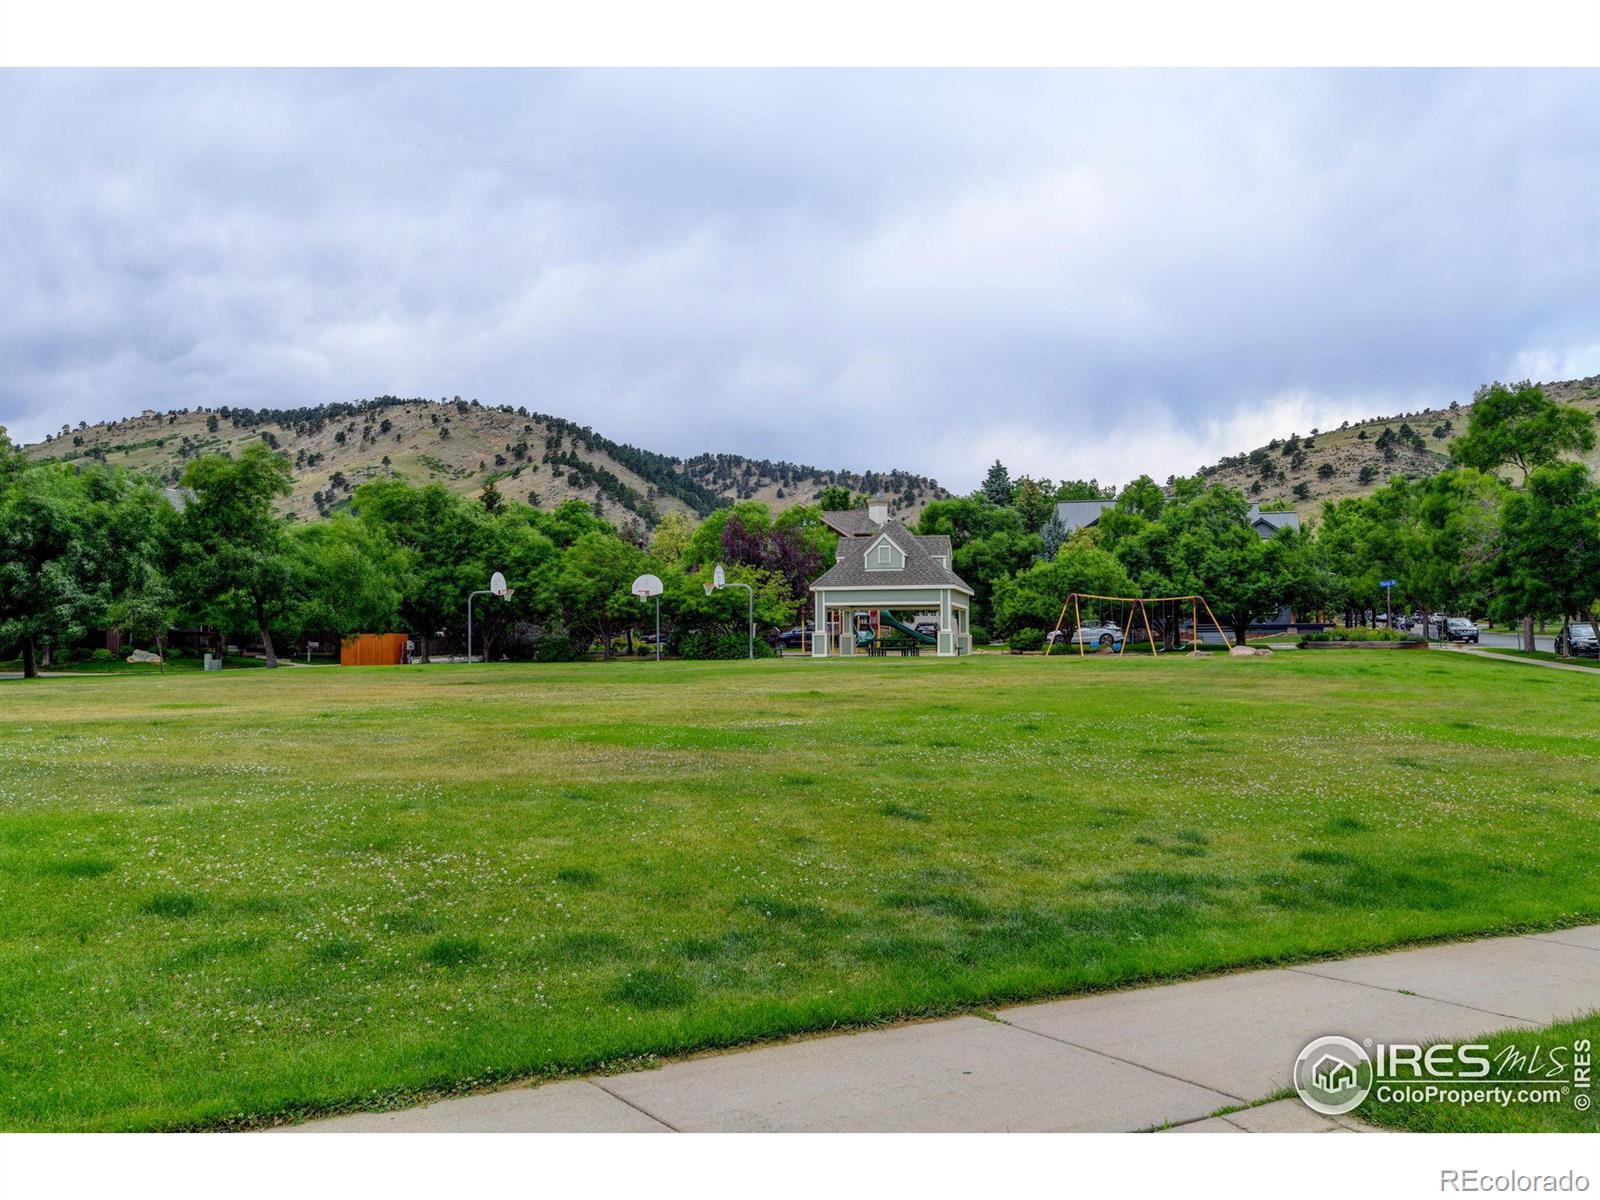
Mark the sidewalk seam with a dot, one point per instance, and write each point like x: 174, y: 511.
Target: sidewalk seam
x: 668, y: 1125
x: 1545, y: 937
x: 1050, y: 1037
x: 1378, y: 987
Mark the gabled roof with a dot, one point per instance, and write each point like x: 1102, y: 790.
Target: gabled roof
x: 920, y: 569
x: 1276, y: 520
x: 850, y: 522
x: 1075, y: 514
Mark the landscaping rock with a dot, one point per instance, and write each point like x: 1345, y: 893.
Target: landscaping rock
x: 1250, y: 652
x: 143, y: 656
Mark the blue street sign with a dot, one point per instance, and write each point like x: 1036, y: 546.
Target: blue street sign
x: 1385, y: 583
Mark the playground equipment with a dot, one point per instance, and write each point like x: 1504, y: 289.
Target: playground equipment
x: 1138, y: 608
x: 927, y: 639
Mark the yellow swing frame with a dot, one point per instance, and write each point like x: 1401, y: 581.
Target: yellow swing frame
x: 1195, y: 604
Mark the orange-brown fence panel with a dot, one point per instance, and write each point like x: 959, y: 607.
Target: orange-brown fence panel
x: 373, y: 650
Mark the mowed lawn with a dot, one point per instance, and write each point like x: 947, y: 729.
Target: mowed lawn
x: 243, y: 898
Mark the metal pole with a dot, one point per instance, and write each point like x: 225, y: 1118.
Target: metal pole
x: 750, y: 593
x: 658, y: 628
x: 470, y: 595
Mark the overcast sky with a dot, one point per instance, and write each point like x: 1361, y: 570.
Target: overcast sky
x: 1084, y: 273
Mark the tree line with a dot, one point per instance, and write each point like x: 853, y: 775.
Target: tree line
x: 85, y: 547
x: 1511, y: 530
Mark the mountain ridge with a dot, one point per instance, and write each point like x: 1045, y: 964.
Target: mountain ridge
x: 539, y: 458
x: 529, y: 457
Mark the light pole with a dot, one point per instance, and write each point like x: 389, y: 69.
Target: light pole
x: 497, y: 587
x: 719, y: 580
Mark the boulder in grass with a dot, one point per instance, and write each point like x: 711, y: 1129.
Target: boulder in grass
x: 143, y: 656
x: 1250, y: 652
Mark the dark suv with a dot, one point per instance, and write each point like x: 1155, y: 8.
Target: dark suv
x: 1584, y: 641
x: 1459, y: 629
x: 793, y: 639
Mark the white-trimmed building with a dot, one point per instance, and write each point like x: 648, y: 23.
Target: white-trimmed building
x: 883, y: 566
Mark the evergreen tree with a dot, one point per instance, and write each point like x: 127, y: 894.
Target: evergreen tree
x: 997, y: 484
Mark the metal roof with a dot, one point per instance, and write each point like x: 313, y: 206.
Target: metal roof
x: 1277, y: 520
x: 1075, y: 514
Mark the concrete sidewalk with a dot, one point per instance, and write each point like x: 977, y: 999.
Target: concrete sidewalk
x: 1139, y: 1059
x: 1527, y: 662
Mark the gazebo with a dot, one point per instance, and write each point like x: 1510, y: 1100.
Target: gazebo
x: 882, y: 567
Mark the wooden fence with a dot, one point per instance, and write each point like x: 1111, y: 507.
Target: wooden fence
x: 373, y: 650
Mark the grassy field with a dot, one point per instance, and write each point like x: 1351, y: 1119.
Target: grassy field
x: 245, y: 897
x: 121, y: 666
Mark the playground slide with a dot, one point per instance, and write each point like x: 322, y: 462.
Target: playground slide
x: 927, y: 639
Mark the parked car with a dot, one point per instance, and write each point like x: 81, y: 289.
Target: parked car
x: 1585, y: 642
x: 927, y: 628
x: 793, y: 639
x: 1459, y: 629
x: 1104, y: 637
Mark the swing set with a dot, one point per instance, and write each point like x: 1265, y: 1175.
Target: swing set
x: 1196, y: 603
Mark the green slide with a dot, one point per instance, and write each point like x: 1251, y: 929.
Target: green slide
x: 927, y: 639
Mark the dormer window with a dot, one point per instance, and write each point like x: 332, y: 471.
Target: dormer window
x: 884, y: 555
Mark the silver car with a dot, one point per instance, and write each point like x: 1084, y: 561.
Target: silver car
x: 1104, y: 637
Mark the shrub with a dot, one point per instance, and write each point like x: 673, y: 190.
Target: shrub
x: 712, y: 643
x: 1360, y: 635
x: 555, y: 647
x: 101, y: 655
x: 1027, y: 639
x: 980, y: 635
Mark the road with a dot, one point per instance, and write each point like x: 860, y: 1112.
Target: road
x: 1505, y: 641
x: 1510, y: 641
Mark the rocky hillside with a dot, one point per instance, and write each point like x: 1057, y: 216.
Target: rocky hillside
x: 529, y: 457
x: 1359, y: 457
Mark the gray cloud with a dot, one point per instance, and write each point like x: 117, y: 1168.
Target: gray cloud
x: 1086, y: 273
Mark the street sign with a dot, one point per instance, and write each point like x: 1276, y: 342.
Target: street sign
x: 497, y: 584
x: 1385, y: 583
x: 718, y: 579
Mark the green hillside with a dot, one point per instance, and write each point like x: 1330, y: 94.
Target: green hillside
x: 529, y: 457
x: 1359, y: 457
